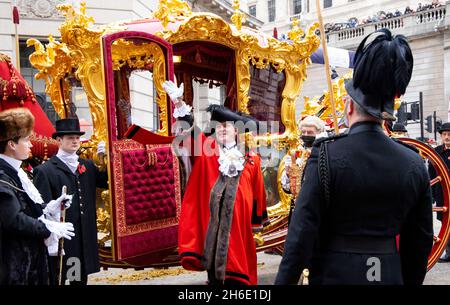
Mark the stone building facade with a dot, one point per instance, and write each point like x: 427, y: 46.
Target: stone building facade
x: 428, y: 33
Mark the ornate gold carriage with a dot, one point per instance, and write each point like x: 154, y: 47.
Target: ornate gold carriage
x: 255, y: 73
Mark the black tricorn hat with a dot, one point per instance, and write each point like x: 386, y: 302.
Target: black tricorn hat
x: 383, y: 69
x: 398, y: 127
x: 69, y: 126
x: 444, y: 127
x: 221, y: 114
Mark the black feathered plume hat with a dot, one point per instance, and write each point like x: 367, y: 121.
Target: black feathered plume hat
x: 382, y: 71
x: 222, y: 114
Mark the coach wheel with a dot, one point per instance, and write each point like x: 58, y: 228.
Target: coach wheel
x: 442, y: 177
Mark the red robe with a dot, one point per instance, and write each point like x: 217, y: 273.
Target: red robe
x: 249, y: 214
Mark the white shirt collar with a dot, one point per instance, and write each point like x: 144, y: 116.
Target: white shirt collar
x: 11, y: 161
x: 70, y: 159
x: 230, y: 145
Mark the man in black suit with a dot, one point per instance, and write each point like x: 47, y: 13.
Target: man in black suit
x: 438, y: 195
x: 81, y: 177
x: 363, y: 189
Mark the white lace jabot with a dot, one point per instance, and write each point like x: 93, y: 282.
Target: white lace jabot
x: 27, y: 185
x: 231, y: 160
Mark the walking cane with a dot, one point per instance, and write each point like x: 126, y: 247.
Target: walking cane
x: 327, y: 66
x: 61, y: 240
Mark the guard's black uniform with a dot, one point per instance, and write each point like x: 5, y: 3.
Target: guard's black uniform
x: 378, y: 189
x: 438, y: 195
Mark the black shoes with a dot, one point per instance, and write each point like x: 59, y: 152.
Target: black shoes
x: 445, y: 258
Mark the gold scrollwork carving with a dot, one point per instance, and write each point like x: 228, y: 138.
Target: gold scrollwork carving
x: 238, y: 17
x: 104, y: 219
x: 169, y: 9
x: 77, y: 54
x: 317, y: 104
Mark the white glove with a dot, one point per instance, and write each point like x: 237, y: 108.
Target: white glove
x: 173, y: 91
x: 52, y: 243
x: 287, y: 161
x: 60, y: 229
x: 182, y: 111
x: 101, y: 148
x: 53, y: 208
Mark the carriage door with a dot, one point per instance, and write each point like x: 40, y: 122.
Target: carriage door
x: 144, y: 179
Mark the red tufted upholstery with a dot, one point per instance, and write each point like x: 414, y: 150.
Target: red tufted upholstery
x: 149, y: 190
x: 147, y: 198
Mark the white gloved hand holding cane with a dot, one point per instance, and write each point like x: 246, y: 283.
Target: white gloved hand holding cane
x: 59, y: 229
x: 53, y: 209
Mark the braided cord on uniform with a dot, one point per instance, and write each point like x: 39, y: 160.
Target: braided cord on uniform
x: 324, y: 174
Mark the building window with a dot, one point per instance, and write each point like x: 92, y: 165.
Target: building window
x: 252, y: 10
x: 327, y: 3
x: 271, y: 6
x: 297, y: 7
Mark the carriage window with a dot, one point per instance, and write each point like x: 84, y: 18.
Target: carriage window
x: 266, y: 87
x: 143, y: 106
x: 270, y: 163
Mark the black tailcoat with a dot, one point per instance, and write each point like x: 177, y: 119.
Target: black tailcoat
x: 49, y: 178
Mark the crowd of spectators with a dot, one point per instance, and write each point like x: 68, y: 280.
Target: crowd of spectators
x: 379, y: 16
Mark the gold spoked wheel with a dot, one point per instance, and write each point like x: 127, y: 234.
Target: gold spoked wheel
x: 443, y: 178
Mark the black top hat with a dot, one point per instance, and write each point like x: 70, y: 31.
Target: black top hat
x: 383, y: 69
x: 221, y: 114
x: 444, y: 127
x: 398, y: 127
x: 70, y: 126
